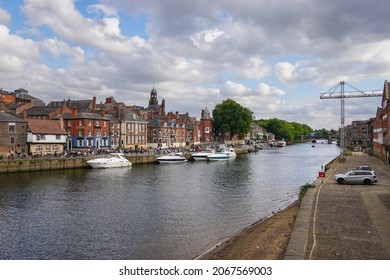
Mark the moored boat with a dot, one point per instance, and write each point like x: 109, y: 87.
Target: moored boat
x: 281, y: 143
x: 224, y: 154
x: 202, y: 155
x: 172, y: 158
x: 113, y: 160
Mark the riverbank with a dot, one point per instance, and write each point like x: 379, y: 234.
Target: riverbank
x: 266, y: 239
x: 58, y: 163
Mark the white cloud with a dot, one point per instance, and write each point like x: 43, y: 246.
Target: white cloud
x: 266, y: 55
x: 300, y: 72
x: 5, y: 17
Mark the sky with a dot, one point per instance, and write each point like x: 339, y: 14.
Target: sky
x: 273, y: 57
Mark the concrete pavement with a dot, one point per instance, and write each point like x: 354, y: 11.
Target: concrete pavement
x: 346, y: 222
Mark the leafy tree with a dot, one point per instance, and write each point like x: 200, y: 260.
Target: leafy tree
x: 231, y: 117
x: 285, y: 130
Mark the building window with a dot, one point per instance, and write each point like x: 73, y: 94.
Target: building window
x: 12, y: 140
x: 80, y: 123
x: 206, y: 129
x: 80, y: 142
x: 11, y: 128
x: 58, y: 137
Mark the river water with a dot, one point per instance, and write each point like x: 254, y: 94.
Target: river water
x: 149, y: 211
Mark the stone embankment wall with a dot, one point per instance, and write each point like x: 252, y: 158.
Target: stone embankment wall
x: 26, y: 165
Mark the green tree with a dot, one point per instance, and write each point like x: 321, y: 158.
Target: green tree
x: 285, y: 130
x: 231, y: 117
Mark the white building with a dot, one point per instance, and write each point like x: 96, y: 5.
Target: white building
x: 45, y: 137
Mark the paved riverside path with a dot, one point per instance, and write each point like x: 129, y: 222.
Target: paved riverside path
x: 346, y: 222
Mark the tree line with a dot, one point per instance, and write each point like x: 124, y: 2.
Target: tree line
x: 232, y: 118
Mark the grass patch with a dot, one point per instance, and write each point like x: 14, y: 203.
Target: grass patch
x: 303, y: 189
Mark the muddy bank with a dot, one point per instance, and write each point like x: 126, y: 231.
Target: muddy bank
x: 264, y: 240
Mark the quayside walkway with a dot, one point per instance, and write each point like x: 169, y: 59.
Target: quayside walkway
x: 346, y: 222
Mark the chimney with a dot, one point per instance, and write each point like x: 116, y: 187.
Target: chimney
x: 117, y: 113
x: 74, y: 111
x: 94, y: 104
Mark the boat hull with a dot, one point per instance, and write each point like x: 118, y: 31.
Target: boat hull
x: 105, y: 164
x: 171, y: 160
x: 116, y: 160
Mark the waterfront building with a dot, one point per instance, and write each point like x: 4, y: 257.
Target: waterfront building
x: 381, y: 127
x: 87, y: 130
x: 45, y: 137
x: 357, y: 135
x: 13, y: 133
x: 132, y: 129
x: 206, y: 127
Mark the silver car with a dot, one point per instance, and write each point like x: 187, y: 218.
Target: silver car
x: 356, y: 177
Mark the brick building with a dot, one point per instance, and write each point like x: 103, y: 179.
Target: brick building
x: 381, y: 126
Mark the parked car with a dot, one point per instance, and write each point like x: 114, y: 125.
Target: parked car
x: 356, y: 177
x: 365, y: 167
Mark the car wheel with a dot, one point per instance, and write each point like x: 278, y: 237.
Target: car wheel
x: 367, y: 181
x: 340, y: 181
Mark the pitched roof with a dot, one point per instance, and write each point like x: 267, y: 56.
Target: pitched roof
x: 9, y: 117
x: 45, y: 126
x: 82, y: 105
x: 93, y: 116
x: 42, y: 110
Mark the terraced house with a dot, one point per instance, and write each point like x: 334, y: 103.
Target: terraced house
x: 381, y: 128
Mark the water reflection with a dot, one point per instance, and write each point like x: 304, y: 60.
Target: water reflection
x: 149, y: 211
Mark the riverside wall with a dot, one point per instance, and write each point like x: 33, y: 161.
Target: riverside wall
x: 41, y: 164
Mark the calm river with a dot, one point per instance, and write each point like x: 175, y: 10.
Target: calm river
x: 149, y: 211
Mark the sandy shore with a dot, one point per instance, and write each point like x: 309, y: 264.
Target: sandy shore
x: 264, y: 240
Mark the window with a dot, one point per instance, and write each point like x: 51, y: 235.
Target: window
x: 80, y: 123
x: 207, y: 129
x: 11, y: 127
x: 12, y: 140
x: 79, y: 142
x: 58, y: 137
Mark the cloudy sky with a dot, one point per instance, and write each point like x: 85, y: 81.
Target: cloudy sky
x: 273, y: 57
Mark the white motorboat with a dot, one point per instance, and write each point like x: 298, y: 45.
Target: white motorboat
x: 113, y: 160
x: 202, y: 155
x: 172, y: 158
x: 225, y: 154
x: 281, y: 144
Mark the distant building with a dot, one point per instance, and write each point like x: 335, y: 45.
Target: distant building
x: 357, y: 135
x: 206, y: 132
x: 21, y: 96
x: 13, y: 133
